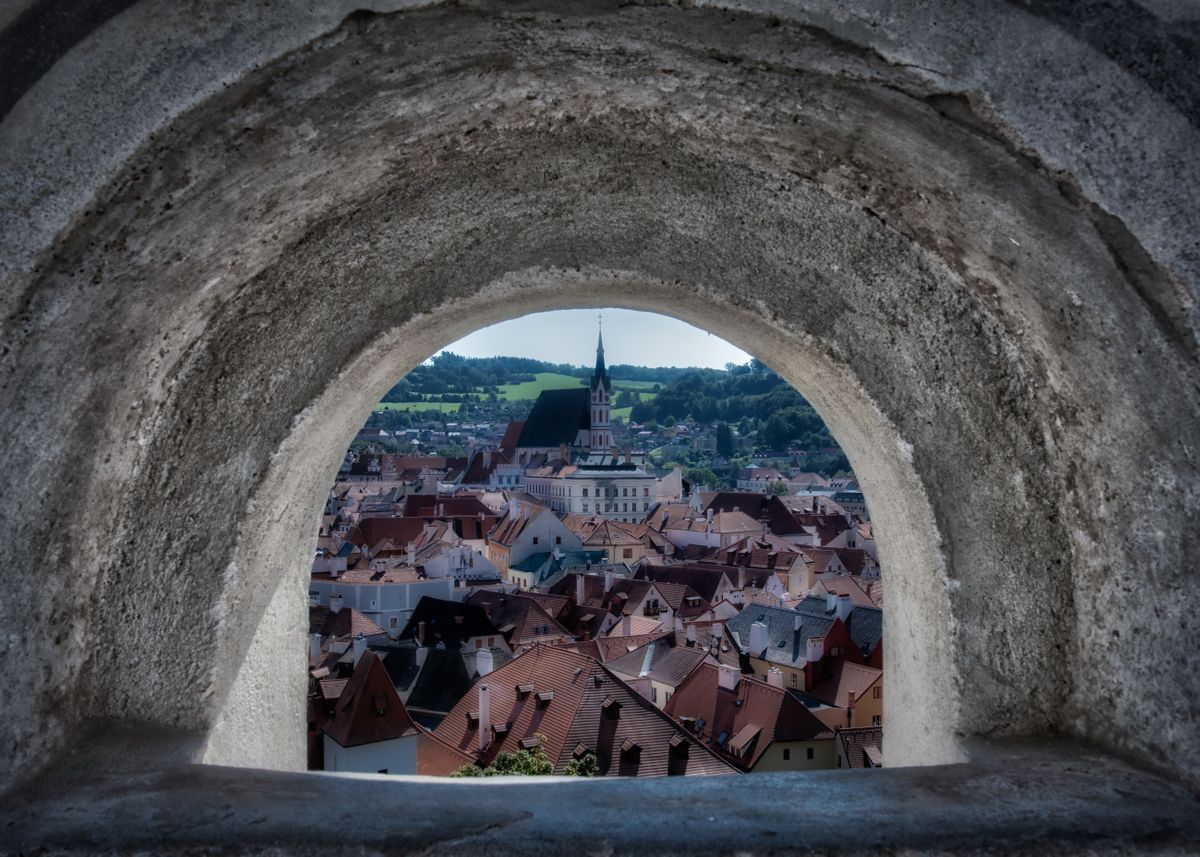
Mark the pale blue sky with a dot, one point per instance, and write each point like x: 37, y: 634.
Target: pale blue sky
x: 569, y: 336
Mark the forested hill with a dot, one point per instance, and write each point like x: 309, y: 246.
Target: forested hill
x: 750, y: 397
x: 455, y: 374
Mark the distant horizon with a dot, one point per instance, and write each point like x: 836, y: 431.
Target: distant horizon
x: 631, y: 337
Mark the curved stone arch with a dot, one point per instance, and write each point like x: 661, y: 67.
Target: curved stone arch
x: 270, y: 684
x: 1013, y: 334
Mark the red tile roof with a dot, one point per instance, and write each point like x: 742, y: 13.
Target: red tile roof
x: 742, y: 723
x: 576, y: 716
x: 368, y: 709
x: 846, y: 678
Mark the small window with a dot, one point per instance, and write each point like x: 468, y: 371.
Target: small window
x: 535, y: 540
x: 795, y: 680
x: 787, y: 754
x: 479, y: 643
x: 876, y: 720
x: 558, y: 540
x: 491, y: 641
x: 877, y: 692
x: 628, y: 553
x: 654, y: 694
x: 810, y: 752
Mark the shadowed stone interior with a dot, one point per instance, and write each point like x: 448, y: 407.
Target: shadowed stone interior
x: 994, y: 315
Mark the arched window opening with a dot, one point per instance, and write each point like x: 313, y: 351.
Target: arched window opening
x: 729, y: 618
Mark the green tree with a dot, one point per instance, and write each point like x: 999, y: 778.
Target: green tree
x: 582, y: 767
x: 522, y: 763
x: 701, y: 476
x: 724, y: 440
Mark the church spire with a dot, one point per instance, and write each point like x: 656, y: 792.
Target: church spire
x: 601, y: 373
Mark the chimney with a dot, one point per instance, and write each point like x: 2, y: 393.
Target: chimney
x: 741, y: 577
x: 314, y: 648
x: 727, y: 677
x: 487, y: 459
x: 626, y: 624
x: 335, y: 602
x: 580, y: 589
x: 608, y: 580
x: 830, y: 602
x: 360, y: 647
x: 485, y: 719
x: 562, y: 452
x: 691, y: 635
x: 814, y: 504
x: 421, y: 654
x: 483, y: 662
x: 708, y: 515
x: 797, y: 623
x: 314, y: 599
x: 758, y: 639
x: 775, y: 677
x: 629, y: 455
x: 412, y: 554
x: 420, y: 633
x: 844, y: 607
x: 815, y: 650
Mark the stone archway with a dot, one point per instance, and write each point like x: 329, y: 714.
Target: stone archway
x: 990, y: 345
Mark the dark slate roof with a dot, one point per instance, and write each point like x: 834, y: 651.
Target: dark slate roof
x: 662, y: 660
x: 865, y: 625
x: 400, y: 663
x: 442, y: 683
x: 557, y: 417
x: 785, y: 645
x: 441, y: 618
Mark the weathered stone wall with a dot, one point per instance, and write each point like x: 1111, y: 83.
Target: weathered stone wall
x: 984, y: 285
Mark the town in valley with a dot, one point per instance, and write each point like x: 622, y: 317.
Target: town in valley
x: 580, y: 584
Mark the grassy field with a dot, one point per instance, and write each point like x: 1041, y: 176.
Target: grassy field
x: 543, y: 381
x: 529, y: 390
x: 620, y: 413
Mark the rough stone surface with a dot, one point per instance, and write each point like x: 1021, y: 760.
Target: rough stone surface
x: 1011, y: 368
x: 1023, y: 798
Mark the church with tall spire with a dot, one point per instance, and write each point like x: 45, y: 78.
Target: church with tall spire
x: 601, y: 402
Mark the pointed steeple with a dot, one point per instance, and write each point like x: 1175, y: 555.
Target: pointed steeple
x: 601, y: 373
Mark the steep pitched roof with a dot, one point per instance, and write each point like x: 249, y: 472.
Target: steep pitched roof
x: 522, y: 620
x: 844, y: 679
x: 740, y: 724
x: 786, y: 644
x: 368, y: 709
x: 865, y: 625
x: 512, y: 434
x: 436, y: 758
x: 346, y: 622
x: 448, y: 622
x: 576, y: 705
x: 661, y: 660
x: 556, y: 418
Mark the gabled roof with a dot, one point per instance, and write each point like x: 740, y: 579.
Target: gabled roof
x: 760, y: 552
x: 740, y: 724
x: 590, y: 708
x: 844, y: 679
x: 436, y: 758
x: 557, y: 418
x: 528, y: 620
x: 786, y: 644
x: 515, y: 520
x: 346, y: 622
x: 443, y: 623
x: 661, y: 660
x: 434, y: 505
x: 368, y: 709
x: 865, y: 625
x: 845, y: 585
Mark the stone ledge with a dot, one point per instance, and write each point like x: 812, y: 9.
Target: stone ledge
x: 131, y: 792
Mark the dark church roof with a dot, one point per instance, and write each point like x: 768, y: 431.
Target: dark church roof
x: 557, y: 417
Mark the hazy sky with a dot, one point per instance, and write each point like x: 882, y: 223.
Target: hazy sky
x: 569, y: 336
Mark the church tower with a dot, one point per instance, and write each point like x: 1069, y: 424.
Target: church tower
x: 601, y: 401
